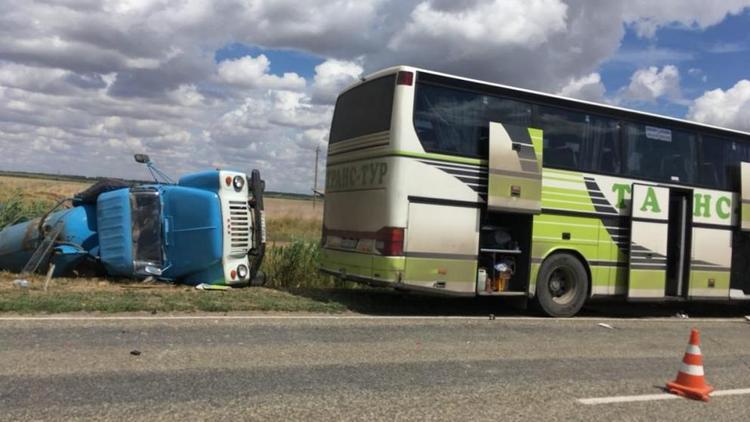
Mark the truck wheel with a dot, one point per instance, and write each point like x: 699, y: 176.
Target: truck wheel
x: 259, y: 280
x: 561, y: 286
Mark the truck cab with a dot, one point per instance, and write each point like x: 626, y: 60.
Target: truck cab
x: 197, y: 231
x: 207, y: 227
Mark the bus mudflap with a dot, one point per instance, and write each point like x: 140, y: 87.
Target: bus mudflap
x: 745, y: 199
x: 515, y: 169
x: 649, y: 230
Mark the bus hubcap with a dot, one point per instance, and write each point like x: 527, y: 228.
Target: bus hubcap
x: 560, y: 286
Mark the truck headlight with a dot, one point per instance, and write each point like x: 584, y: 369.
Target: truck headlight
x: 238, y: 183
x: 242, y: 272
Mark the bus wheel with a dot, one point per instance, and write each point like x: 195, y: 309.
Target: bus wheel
x: 561, y: 286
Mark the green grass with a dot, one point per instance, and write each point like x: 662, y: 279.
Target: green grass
x: 294, y: 266
x: 17, y: 208
x: 287, y: 229
x: 160, y: 299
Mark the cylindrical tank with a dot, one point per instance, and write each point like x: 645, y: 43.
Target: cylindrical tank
x: 18, y: 242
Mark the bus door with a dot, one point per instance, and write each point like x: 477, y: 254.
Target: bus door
x: 514, y: 196
x: 659, y: 242
x: 515, y: 169
x: 740, y: 264
x: 745, y: 196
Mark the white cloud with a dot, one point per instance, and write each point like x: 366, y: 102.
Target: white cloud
x: 252, y: 72
x: 507, y: 22
x: 83, y: 83
x: 650, y: 84
x: 589, y: 87
x: 730, y: 108
x: 332, y: 76
x: 647, y: 16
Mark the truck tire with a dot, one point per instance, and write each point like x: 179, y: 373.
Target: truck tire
x: 561, y: 286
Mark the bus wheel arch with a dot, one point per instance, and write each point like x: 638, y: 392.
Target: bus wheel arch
x: 563, y: 283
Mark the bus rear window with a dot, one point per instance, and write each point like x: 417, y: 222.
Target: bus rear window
x: 363, y: 110
x: 456, y: 122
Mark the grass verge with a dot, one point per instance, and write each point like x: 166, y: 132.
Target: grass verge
x: 93, y: 295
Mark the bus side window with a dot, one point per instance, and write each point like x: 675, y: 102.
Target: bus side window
x: 579, y: 141
x: 563, y: 133
x: 605, y: 145
x: 660, y: 154
x: 714, y: 162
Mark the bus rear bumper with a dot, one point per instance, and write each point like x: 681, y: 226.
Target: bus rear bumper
x: 342, y: 275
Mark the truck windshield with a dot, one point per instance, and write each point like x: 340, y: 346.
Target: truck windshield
x: 147, y: 232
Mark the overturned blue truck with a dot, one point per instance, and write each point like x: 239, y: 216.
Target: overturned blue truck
x: 207, y: 227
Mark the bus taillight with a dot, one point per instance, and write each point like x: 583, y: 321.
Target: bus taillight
x: 390, y: 241
x: 405, y: 78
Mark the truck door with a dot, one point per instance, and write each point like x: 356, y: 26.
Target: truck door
x: 515, y: 169
x: 649, y: 231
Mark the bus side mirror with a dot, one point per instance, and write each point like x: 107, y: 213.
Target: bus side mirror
x: 142, y: 158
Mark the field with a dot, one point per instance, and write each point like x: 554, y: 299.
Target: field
x: 293, y: 228
x: 287, y: 219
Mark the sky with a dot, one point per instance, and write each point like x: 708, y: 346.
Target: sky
x: 85, y: 84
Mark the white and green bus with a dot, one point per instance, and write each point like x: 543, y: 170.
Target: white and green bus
x: 438, y: 183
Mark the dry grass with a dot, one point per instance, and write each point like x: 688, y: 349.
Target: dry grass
x: 293, y: 219
x: 294, y: 208
x: 38, y: 189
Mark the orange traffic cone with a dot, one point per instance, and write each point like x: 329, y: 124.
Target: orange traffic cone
x: 690, y: 381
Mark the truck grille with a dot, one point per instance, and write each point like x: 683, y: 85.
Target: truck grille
x: 239, y: 227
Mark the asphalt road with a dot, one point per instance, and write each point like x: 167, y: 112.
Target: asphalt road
x: 362, y: 369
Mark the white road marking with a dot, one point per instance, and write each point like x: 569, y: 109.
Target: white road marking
x: 655, y: 397
x: 352, y: 317
x: 734, y: 392
x: 627, y: 399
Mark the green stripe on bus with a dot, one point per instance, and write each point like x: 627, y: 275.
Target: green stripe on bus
x: 702, y: 279
x: 567, y: 204
x: 411, y: 154
x: 449, y: 270
x: 745, y: 214
x: 550, y: 190
x: 351, y: 262
x: 388, y: 263
x: 647, y: 279
x: 537, y: 140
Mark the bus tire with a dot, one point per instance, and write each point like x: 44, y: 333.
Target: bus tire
x: 561, y: 286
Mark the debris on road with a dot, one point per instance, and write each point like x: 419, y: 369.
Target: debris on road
x: 681, y: 315
x: 21, y: 282
x: 135, y: 352
x: 604, y: 325
x: 206, y: 286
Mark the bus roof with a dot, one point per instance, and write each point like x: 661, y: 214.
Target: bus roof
x: 543, y: 95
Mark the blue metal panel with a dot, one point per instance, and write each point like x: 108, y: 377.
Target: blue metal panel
x: 207, y: 180
x: 115, y: 232
x: 211, y: 275
x: 80, y: 226
x: 193, y: 230
x: 18, y: 242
